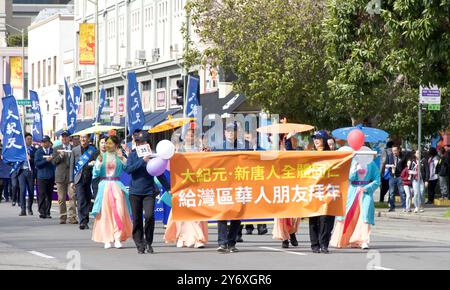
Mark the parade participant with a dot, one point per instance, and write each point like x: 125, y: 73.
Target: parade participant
x: 143, y: 192
x: 46, y: 177
x: 332, y: 144
x: 228, y: 236
x: 187, y: 233
x: 61, y: 159
x: 111, y: 207
x: 96, y: 180
x: 354, y: 229
x: 25, y: 178
x: 320, y: 227
x: 285, y: 229
x: 82, y: 161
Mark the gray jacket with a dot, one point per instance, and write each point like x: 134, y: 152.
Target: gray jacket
x: 74, y: 157
x: 62, y: 164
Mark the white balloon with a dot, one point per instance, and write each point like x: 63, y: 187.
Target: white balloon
x: 165, y: 149
x: 364, y: 160
x: 346, y: 148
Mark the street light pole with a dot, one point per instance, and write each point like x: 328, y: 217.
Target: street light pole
x: 97, y: 65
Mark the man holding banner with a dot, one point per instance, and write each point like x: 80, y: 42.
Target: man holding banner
x: 26, y: 177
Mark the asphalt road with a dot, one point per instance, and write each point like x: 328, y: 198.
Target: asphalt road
x: 31, y: 243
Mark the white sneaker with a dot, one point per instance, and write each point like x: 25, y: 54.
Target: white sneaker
x: 421, y: 210
x: 108, y: 246
x: 404, y: 210
x: 365, y: 246
x: 416, y: 210
x: 118, y: 245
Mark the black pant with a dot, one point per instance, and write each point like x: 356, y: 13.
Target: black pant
x: 7, y: 188
x: 26, y: 184
x: 432, y: 189
x: 45, y: 196
x: 15, y: 188
x: 83, y: 195
x: 320, y: 228
x: 384, y: 188
x: 227, y: 237
x: 139, y: 204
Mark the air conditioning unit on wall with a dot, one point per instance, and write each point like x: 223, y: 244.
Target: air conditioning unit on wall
x: 155, y: 54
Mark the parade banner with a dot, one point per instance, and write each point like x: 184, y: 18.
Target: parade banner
x: 77, y: 97
x: 87, y: 44
x: 71, y: 110
x: 135, y: 114
x: 7, y: 89
x: 242, y: 185
x: 37, y: 117
x: 14, y: 150
x: 102, y: 98
x: 15, y: 63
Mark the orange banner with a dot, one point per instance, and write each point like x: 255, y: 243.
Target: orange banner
x: 15, y: 63
x: 249, y: 185
x: 87, y: 44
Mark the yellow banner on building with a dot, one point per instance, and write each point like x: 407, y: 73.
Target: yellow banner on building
x: 87, y: 44
x: 15, y: 63
x: 243, y: 185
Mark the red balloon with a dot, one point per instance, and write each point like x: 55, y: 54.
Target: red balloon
x: 355, y: 139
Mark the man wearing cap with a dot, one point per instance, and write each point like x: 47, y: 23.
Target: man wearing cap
x: 45, y: 176
x: 82, y: 161
x: 143, y: 192
x: 25, y: 178
x: 61, y: 159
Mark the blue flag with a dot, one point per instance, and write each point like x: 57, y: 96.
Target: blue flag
x: 71, y: 111
x: 14, y: 149
x: 135, y: 114
x: 101, y: 105
x: 7, y: 89
x: 77, y: 97
x: 192, y: 102
x: 37, y: 120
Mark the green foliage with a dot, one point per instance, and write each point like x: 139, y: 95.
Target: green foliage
x: 15, y: 40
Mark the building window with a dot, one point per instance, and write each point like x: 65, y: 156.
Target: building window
x: 135, y: 21
x: 88, y: 97
x: 54, y: 70
x: 49, y: 70
x: 44, y: 65
x: 32, y: 76
x: 120, y: 91
x: 146, y: 85
x: 161, y: 99
x: 39, y: 75
x: 161, y: 83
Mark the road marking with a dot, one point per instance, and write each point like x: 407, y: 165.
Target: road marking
x: 381, y: 268
x: 41, y: 255
x: 284, y: 251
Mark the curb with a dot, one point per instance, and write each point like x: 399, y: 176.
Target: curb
x: 412, y: 216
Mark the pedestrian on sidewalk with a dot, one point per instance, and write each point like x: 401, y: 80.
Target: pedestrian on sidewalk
x: 444, y: 172
x: 61, y: 160
x: 406, y: 177
x: 395, y: 162
x: 433, y: 180
x: 112, y: 207
x: 46, y: 177
x: 385, y: 172
x: 419, y: 183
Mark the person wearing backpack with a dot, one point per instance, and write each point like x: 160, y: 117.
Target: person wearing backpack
x: 442, y: 169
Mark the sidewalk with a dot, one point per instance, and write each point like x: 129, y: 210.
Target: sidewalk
x: 432, y: 214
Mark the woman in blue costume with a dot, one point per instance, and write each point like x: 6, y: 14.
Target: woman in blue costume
x: 354, y: 229
x: 112, y: 207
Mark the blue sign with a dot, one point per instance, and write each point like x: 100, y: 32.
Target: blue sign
x: 135, y: 114
x: 14, y: 149
x: 192, y: 103
x: 71, y: 111
x: 101, y: 105
x: 37, y: 117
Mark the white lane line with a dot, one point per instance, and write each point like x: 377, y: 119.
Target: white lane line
x: 284, y: 251
x: 41, y: 255
x: 381, y: 268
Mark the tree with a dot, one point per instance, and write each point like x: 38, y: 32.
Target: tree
x: 275, y: 48
x: 15, y: 40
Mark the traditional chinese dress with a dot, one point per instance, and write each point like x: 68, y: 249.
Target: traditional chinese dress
x: 354, y: 229
x: 111, y: 207
x: 186, y: 233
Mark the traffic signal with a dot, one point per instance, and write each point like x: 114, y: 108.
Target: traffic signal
x: 180, y: 92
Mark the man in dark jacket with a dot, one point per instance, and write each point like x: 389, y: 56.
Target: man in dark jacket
x: 45, y: 176
x: 396, y: 164
x: 143, y: 192
x: 25, y: 177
